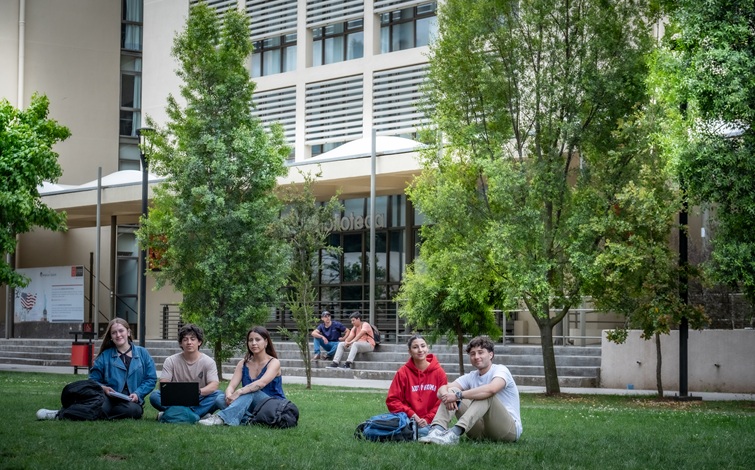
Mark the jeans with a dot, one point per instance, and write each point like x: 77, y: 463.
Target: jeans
x: 330, y: 348
x: 359, y: 346
x: 234, y: 412
x: 207, y: 404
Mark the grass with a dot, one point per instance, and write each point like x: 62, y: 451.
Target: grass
x: 575, y: 431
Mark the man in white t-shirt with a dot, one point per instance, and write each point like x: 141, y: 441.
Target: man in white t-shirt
x: 484, y: 401
x: 191, y: 365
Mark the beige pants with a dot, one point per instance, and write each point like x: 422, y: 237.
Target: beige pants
x: 481, y: 419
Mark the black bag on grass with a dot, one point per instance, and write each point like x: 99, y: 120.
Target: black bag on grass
x: 273, y: 412
x: 82, y: 401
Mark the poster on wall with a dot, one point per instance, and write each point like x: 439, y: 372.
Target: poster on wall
x: 54, y: 294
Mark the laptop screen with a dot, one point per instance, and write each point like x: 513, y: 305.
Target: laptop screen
x: 179, y: 393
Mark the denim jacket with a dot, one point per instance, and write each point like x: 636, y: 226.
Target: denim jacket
x: 109, y: 370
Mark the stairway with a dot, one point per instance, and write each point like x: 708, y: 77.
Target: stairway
x: 577, y: 366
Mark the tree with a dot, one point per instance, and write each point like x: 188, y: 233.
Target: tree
x: 710, y: 67
x: 442, y: 292
x: 26, y: 161
x: 304, y: 227
x: 643, y: 278
x: 213, y: 214
x: 528, y: 96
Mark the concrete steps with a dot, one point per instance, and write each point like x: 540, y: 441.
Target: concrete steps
x: 577, y: 366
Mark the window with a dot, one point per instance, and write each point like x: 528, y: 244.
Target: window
x: 131, y: 84
x: 131, y: 25
x: 337, y: 42
x: 319, y: 149
x: 131, y: 94
x: 408, y: 28
x: 274, y: 55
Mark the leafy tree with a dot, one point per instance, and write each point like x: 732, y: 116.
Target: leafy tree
x: 442, y: 292
x: 710, y: 67
x: 212, y: 216
x: 529, y: 96
x: 637, y: 272
x: 303, y: 226
x: 26, y: 161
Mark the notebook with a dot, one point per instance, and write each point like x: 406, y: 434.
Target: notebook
x: 179, y: 393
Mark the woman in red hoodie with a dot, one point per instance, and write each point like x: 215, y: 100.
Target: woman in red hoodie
x: 415, y: 386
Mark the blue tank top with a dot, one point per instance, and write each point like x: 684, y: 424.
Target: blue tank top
x: 273, y: 389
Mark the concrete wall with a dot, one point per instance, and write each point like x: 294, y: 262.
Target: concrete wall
x: 71, y: 54
x: 718, y: 361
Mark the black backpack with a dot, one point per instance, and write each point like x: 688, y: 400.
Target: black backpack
x: 273, y: 412
x: 82, y: 401
x: 376, y: 335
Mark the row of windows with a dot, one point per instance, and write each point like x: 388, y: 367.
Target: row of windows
x: 401, y: 29
x: 132, y: 14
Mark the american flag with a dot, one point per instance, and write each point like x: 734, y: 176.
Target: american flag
x: 28, y: 300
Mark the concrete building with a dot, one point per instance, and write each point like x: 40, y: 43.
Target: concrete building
x: 331, y: 72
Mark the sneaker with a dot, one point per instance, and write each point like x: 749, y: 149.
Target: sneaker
x: 159, y: 415
x: 435, y: 430
x: 333, y: 365
x: 47, y: 414
x: 206, y: 416
x: 447, y: 438
x: 317, y: 357
x: 346, y: 365
x: 213, y: 420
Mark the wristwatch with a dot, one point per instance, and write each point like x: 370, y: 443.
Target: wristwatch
x: 458, y: 395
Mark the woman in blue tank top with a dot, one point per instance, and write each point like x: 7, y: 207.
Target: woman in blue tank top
x: 261, y: 362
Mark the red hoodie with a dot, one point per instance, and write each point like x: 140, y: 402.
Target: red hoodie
x: 414, y: 391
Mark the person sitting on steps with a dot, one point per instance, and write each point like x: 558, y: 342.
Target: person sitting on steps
x: 359, y: 339
x: 327, y: 335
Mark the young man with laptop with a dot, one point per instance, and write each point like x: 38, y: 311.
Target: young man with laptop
x: 189, y: 378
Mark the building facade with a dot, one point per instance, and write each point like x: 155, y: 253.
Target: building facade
x: 333, y: 73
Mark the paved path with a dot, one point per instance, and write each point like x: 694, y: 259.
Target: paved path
x: 384, y: 384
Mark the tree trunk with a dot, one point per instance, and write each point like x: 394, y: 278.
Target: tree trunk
x: 307, y: 363
x: 549, y: 357
x: 658, y: 363
x: 216, y: 351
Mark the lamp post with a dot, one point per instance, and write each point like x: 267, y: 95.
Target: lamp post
x: 143, y: 253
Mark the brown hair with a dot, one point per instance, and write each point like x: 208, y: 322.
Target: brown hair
x: 191, y: 329
x: 262, y: 331
x: 414, y: 338
x: 481, y: 342
x: 107, y: 342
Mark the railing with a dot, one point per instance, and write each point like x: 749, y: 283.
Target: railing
x: 170, y: 321
x: 395, y: 329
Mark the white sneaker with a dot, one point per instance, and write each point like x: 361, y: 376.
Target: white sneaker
x: 433, y: 432
x: 160, y: 415
x: 445, y: 438
x: 47, y: 414
x: 213, y: 420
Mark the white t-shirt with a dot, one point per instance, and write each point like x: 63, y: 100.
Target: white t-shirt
x: 508, y: 395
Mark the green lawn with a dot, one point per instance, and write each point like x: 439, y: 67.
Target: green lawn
x: 565, y: 432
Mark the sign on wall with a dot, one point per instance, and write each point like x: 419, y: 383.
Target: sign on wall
x: 54, y: 294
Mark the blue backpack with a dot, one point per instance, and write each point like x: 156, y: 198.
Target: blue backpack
x: 387, y: 427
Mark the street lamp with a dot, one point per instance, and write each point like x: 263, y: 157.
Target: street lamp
x: 143, y: 253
